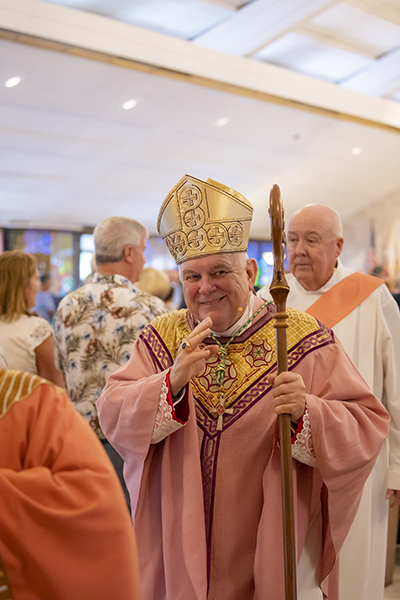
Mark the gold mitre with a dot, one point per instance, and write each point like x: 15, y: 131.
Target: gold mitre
x: 199, y: 218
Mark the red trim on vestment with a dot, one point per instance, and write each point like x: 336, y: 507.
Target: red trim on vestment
x: 180, y: 412
x: 298, y: 429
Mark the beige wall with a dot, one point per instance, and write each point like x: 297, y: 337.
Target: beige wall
x: 384, y: 217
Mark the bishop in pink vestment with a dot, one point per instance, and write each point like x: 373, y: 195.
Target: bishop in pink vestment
x: 206, y: 503
x: 194, y: 411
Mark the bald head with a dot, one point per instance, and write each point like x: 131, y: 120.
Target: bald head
x: 314, y: 242
x: 326, y: 216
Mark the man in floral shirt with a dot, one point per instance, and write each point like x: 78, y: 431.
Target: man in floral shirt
x: 95, y: 326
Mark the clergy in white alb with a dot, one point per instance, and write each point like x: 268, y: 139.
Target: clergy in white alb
x: 366, y: 319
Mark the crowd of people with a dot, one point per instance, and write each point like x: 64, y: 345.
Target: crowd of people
x: 139, y: 449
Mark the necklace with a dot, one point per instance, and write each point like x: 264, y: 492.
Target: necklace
x: 223, y: 348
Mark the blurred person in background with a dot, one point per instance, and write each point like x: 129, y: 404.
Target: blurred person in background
x: 95, y: 325
x: 382, y: 273
x: 26, y: 339
x: 45, y: 306
x: 93, y: 270
x: 156, y: 282
x: 177, y: 300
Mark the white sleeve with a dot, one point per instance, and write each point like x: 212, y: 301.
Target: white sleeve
x: 39, y: 331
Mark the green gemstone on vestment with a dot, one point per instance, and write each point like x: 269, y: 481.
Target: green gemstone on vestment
x: 223, y: 348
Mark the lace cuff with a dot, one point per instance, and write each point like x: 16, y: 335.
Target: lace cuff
x: 166, y: 420
x: 302, y: 447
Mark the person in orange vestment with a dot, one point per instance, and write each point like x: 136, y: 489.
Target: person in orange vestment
x: 65, y: 531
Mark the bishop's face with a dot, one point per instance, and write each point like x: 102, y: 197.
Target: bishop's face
x: 217, y: 286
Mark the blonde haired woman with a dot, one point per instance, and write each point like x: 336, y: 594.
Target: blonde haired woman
x: 26, y: 339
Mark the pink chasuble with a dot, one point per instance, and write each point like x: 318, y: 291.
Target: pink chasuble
x: 207, y: 502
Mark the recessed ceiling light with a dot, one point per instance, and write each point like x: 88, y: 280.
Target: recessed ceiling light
x: 129, y: 104
x: 222, y: 122
x: 357, y: 150
x: 12, y: 82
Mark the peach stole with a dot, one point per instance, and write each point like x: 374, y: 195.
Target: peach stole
x: 341, y: 299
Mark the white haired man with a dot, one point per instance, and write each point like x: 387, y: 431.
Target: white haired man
x: 366, y: 319
x: 194, y: 411
x: 96, y: 325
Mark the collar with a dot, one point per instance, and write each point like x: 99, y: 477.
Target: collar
x: 111, y: 278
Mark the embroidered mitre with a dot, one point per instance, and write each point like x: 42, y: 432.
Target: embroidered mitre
x: 199, y: 218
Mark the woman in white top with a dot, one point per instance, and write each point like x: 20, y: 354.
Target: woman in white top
x: 26, y: 339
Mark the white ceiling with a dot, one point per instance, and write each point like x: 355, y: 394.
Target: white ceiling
x: 70, y: 155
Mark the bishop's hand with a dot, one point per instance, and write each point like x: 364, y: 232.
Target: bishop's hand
x: 191, y: 357
x: 289, y: 394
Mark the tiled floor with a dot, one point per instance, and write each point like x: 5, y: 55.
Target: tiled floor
x: 392, y: 592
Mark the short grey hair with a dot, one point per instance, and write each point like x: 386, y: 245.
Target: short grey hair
x: 113, y: 234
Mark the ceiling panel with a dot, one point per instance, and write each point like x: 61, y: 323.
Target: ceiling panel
x: 71, y: 155
x: 342, y: 20
x: 341, y: 36
x: 86, y: 152
x: 249, y: 29
x: 384, y: 9
x: 379, y: 79
x: 396, y: 96
x: 304, y: 55
x: 180, y: 18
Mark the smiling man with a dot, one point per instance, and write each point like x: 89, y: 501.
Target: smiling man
x: 194, y: 415
x: 215, y: 288
x: 365, y: 317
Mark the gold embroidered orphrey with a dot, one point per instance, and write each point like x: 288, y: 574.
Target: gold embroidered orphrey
x: 16, y: 386
x: 246, y: 361
x: 199, y: 218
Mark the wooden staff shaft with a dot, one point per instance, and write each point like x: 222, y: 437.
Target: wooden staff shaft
x: 279, y: 290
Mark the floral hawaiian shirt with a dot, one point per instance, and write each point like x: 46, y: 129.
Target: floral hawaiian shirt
x: 94, y: 329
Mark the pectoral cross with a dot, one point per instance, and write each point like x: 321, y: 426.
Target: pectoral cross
x: 221, y: 411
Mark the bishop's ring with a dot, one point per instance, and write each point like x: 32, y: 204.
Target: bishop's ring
x: 186, y: 345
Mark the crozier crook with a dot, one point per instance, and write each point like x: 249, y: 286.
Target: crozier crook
x: 279, y: 290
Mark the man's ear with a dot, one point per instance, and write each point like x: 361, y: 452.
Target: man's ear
x: 339, y: 246
x: 252, y: 270
x: 128, y: 253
